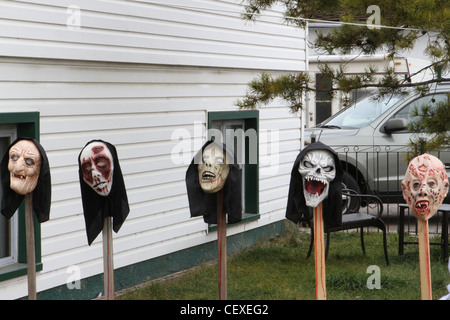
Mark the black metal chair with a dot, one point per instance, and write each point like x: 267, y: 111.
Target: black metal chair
x: 354, y: 216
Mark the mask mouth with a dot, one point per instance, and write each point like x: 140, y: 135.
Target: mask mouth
x: 19, y: 176
x: 422, y: 207
x: 315, y: 185
x: 208, y: 176
x: 99, y: 185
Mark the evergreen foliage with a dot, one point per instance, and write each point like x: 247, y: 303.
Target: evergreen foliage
x: 402, y: 22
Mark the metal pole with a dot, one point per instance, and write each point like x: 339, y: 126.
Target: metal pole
x: 108, y: 261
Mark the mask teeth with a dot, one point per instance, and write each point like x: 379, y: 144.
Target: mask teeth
x: 309, y: 178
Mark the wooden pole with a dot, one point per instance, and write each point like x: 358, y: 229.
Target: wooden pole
x: 424, y: 257
x: 319, y: 252
x: 108, y: 261
x: 31, y: 254
x: 221, y: 246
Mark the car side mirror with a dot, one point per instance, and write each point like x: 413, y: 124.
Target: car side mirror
x: 394, y: 124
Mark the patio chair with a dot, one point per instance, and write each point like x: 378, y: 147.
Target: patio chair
x: 355, y: 216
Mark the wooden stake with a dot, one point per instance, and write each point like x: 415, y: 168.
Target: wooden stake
x: 108, y: 261
x: 319, y: 252
x: 424, y: 257
x: 31, y: 254
x: 222, y: 246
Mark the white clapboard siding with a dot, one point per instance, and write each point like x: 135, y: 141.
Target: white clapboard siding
x: 202, y: 33
x: 144, y: 138
x: 142, y: 75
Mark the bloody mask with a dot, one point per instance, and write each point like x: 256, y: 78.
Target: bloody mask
x: 317, y: 170
x: 97, y: 167
x: 425, y: 185
x: 213, y: 169
x: 24, y: 166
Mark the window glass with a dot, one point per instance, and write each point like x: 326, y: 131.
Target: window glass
x: 8, y: 230
x: 431, y: 100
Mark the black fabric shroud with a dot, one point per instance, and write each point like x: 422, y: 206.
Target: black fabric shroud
x: 97, y: 207
x: 205, y: 204
x: 297, y: 210
x: 42, y: 193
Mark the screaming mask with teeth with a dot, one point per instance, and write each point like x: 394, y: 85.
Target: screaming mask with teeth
x: 316, y: 177
x: 25, y: 170
x: 317, y: 170
x: 425, y: 185
x: 103, y: 191
x: 214, y: 168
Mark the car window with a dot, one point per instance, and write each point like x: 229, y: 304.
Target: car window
x: 431, y: 100
x: 362, y: 113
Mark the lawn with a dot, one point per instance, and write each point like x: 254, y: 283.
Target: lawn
x: 277, y: 269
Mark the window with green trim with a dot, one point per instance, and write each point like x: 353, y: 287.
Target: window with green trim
x: 239, y: 131
x: 13, y: 256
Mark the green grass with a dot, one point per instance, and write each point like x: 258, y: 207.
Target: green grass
x: 277, y: 269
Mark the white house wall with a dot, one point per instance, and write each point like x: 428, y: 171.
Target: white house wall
x: 86, y: 86
x: 177, y: 32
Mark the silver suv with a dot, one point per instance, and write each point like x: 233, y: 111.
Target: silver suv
x: 371, y: 139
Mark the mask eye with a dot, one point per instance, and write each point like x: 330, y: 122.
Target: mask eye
x: 328, y: 168
x: 14, y: 157
x: 219, y: 160
x: 308, y: 164
x: 416, y: 185
x: 432, y: 184
x: 29, y: 161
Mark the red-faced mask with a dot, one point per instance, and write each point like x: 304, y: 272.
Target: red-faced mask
x: 425, y: 185
x: 97, y: 166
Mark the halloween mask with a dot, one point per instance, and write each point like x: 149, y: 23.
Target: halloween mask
x: 317, y: 170
x: 24, y: 166
x: 202, y: 181
x: 97, y: 167
x: 213, y: 169
x: 316, y: 177
x: 102, y: 185
x: 425, y: 185
x: 25, y: 169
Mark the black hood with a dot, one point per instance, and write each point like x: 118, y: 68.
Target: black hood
x: 97, y: 207
x: 297, y: 209
x: 205, y: 204
x: 42, y: 193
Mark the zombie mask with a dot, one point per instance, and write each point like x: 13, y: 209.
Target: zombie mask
x: 202, y: 195
x: 317, y: 170
x: 316, y: 177
x: 24, y: 166
x: 213, y: 171
x: 97, y: 167
x: 25, y: 169
x: 103, y: 191
x: 425, y: 185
